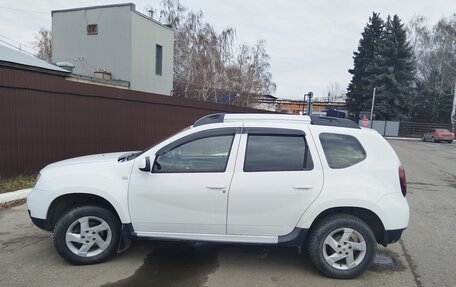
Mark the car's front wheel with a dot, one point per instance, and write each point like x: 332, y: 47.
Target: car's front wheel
x: 342, y: 246
x: 87, y: 235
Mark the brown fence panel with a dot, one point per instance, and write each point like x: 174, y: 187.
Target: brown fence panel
x: 45, y: 118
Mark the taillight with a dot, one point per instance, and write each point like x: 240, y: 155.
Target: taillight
x: 403, y: 180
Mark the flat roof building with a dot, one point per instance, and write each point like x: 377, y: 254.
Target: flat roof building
x: 115, y: 42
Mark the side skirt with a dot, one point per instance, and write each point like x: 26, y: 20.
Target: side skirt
x: 295, y: 238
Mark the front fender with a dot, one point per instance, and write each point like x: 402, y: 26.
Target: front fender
x: 39, y: 201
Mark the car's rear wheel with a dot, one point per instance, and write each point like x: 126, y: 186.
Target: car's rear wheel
x: 87, y: 235
x: 450, y: 141
x: 342, y: 246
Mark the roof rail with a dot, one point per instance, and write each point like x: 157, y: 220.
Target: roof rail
x: 333, y: 122
x: 242, y: 117
x: 266, y: 117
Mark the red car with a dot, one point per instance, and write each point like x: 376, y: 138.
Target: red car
x: 436, y: 135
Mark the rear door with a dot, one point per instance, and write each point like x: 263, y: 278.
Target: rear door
x: 277, y: 176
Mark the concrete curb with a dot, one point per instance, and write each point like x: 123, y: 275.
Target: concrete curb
x: 14, y: 195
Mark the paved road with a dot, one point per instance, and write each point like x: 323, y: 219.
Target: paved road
x: 425, y: 257
x: 430, y: 240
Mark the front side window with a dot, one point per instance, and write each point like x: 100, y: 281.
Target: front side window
x: 342, y: 151
x: 277, y: 153
x: 209, y: 154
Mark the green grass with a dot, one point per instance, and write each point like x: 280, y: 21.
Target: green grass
x: 16, y: 183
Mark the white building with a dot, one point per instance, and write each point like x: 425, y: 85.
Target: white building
x: 117, y: 39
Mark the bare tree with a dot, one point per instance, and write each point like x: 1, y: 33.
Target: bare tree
x: 206, y: 64
x: 435, y: 53
x: 43, y: 43
x: 335, y: 92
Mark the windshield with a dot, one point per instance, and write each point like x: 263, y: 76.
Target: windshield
x: 135, y: 155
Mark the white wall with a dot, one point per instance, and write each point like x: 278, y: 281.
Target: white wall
x: 145, y: 36
x: 109, y: 49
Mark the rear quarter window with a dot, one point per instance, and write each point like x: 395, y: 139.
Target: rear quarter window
x: 342, y: 151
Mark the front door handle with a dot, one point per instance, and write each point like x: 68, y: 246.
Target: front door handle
x: 302, y: 186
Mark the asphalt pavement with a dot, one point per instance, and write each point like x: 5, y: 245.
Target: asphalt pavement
x: 424, y: 257
x: 430, y: 240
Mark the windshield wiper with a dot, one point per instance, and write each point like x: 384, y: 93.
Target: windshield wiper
x: 126, y: 156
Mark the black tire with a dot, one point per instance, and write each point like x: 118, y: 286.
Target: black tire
x: 94, y: 216
x: 450, y: 141
x: 317, y: 249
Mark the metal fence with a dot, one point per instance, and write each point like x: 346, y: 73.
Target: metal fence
x: 402, y: 129
x: 416, y: 130
x: 385, y: 128
x: 45, y: 118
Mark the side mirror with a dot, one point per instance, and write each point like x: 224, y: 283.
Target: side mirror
x: 145, y: 164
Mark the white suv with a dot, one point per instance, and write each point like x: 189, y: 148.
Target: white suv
x: 315, y: 182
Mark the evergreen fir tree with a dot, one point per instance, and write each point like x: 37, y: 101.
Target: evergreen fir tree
x: 394, y: 73
x: 359, y: 92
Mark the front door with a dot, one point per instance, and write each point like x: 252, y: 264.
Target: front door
x: 187, y: 190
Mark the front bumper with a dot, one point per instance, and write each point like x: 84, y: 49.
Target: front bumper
x: 40, y: 223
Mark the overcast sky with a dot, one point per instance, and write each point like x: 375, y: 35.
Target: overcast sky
x: 310, y: 42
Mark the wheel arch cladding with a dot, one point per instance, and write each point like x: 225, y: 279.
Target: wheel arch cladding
x: 368, y: 216
x: 65, y: 202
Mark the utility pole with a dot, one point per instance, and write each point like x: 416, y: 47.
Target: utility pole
x: 453, y: 111
x: 372, y: 107
x: 309, y: 102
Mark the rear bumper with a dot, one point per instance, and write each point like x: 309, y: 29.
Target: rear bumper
x: 444, y: 138
x: 392, y: 236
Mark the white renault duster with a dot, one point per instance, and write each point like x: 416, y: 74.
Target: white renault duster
x: 320, y: 183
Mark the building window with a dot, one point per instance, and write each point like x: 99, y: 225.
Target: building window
x: 158, y: 59
x: 92, y: 29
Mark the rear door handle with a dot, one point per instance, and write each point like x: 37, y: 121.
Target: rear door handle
x: 302, y: 186
x: 215, y: 186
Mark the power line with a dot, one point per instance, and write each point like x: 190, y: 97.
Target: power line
x: 24, y: 10
x: 20, y: 44
x: 18, y: 48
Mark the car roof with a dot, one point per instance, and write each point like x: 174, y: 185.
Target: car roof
x: 270, y: 117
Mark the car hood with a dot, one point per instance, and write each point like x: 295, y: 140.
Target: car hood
x: 96, y: 158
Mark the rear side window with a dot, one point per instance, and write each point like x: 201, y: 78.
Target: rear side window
x: 342, y: 151
x: 277, y: 153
